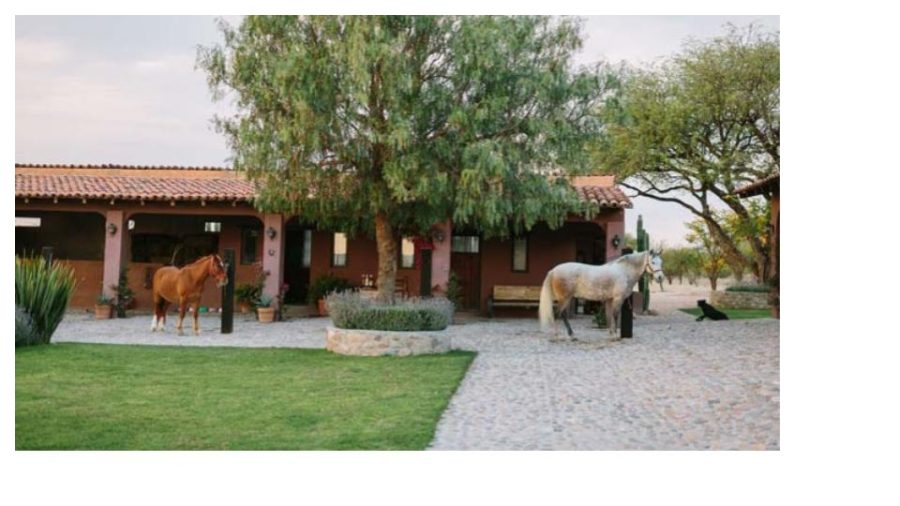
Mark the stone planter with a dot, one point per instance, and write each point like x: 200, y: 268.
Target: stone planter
x: 266, y: 314
x: 322, y: 307
x: 374, y: 343
x: 740, y: 300
x: 102, y: 311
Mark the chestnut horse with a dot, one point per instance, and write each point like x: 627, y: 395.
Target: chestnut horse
x: 172, y: 285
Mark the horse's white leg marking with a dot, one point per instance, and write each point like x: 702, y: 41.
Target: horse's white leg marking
x: 153, y: 323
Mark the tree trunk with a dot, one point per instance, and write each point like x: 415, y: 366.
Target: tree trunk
x: 387, y: 258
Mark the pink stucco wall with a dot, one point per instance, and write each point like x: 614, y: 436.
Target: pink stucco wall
x: 440, y: 257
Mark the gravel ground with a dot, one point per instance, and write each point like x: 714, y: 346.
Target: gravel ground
x: 247, y: 332
x: 677, y: 385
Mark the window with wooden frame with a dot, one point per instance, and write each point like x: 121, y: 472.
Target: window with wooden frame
x: 464, y: 244
x: 520, y: 254
x: 407, y: 253
x: 307, y: 248
x: 249, y: 245
x: 339, y: 250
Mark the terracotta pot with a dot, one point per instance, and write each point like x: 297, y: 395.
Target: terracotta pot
x: 266, y: 314
x: 102, y: 311
x: 245, y: 307
x: 323, y: 307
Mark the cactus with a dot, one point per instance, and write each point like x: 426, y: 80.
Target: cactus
x: 645, y: 282
x: 643, y: 244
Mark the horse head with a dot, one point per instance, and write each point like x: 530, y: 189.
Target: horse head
x: 653, y: 265
x: 217, y: 270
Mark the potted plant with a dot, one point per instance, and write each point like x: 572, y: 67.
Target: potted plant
x: 322, y: 287
x: 264, y: 309
x: 246, y: 294
x: 103, y: 307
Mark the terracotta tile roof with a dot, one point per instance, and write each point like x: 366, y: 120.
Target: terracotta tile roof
x: 138, y: 183
x: 594, y: 181
x: 764, y: 185
x: 604, y: 196
x: 114, y: 166
x: 167, y: 183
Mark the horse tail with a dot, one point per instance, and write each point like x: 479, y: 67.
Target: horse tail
x: 174, y: 253
x: 545, y: 310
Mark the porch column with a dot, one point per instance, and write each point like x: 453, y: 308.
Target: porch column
x: 615, y: 226
x: 440, y: 257
x: 113, y: 250
x: 273, y: 254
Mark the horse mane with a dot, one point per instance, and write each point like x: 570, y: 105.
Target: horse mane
x: 630, y: 257
x: 204, y: 257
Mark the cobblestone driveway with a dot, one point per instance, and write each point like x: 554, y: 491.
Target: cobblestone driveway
x: 678, y: 385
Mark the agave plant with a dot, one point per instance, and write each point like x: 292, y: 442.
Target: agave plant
x: 42, y: 293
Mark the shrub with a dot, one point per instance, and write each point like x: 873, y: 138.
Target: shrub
x: 25, y: 333
x: 748, y: 287
x: 454, y: 290
x: 264, y: 301
x: 124, y: 294
x: 350, y: 311
x: 42, y: 293
x: 325, y: 285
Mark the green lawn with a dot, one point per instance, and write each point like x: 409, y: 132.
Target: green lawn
x: 114, y: 397
x: 735, y: 314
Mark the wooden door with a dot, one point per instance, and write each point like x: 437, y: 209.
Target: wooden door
x: 296, y: 272
x: 466, y: 267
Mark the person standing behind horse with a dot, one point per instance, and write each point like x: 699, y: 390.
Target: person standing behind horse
x: 183, y: 286
x: 610, y: 283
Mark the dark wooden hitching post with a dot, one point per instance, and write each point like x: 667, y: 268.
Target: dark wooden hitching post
x: 228, y: 293
x: 47, y: 253
x: 626, y: 317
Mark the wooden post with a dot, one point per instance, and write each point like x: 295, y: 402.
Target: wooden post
x: 47, y: 253
x: 228, y: 293
x: 626, y: 316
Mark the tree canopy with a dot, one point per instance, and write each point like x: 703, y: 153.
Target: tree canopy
x: 392, y: 124
x: 698, y: 126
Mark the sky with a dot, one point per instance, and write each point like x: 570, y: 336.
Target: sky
x: 124, y: 90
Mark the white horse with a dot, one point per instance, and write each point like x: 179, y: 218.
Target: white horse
x: 611, y: 283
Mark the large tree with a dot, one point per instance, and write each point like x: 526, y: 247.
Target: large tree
x: 696, y: 127
x: 387, y: 125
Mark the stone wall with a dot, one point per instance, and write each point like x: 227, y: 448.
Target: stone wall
x: 373, y: 343
x: 740, y: 300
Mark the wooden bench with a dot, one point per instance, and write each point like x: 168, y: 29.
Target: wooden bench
x: 513, y: 296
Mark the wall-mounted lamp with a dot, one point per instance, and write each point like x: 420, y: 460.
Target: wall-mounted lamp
x: 112, y: 228
x: 616, y: 241
x: 271, y: 233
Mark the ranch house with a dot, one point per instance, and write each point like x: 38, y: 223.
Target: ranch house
x: 101, y: 219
